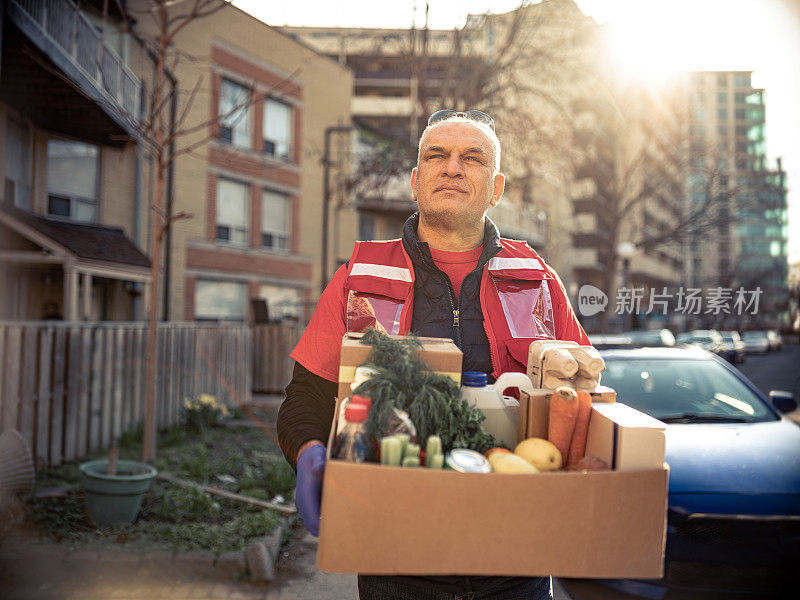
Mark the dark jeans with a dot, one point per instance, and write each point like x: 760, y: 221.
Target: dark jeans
x: 371, y: 587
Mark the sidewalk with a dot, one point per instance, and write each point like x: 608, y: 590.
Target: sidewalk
x: 52, y: 572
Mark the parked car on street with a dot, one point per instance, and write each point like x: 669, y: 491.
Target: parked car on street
x: 636, y: 338
x: 756, y: 342
x: 735, y: 344
x: 707, y: 339
x: 775, y: 339
x: 650, y: 337
x: 609, y: 340
x: 734, y: 484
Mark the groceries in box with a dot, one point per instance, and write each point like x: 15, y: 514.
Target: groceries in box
x: 567, y: 501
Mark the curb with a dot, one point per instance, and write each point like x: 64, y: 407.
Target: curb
x: 257, y: 561
x: 262, y: 554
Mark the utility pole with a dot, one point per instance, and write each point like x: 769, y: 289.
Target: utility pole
x: 326, y: 197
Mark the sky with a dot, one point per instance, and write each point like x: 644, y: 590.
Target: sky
x: 650, y: 37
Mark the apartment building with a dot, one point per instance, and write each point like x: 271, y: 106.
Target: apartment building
x: 540, y: 71
x: 747, y: 245
x: 251, y: 108
x: 71, y: 215
x: 402, y: 75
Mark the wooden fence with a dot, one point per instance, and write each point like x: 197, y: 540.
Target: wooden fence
x: 71, y: 388
x: 272, y: 367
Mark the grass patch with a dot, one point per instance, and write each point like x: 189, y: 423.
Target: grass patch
x: 239, y: 459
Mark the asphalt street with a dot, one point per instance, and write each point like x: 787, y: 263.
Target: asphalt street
x: 774, y: 370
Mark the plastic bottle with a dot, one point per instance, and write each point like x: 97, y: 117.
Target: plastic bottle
x: 362, y: 374
x: 352, y: 443
x: 502, y: 412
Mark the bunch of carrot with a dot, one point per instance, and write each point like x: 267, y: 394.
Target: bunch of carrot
x: 569, y: 423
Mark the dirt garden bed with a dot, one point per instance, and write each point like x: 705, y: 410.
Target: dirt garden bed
x: 228, y: 453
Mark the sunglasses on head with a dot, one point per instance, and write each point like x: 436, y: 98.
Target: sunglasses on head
x: 472, y: 115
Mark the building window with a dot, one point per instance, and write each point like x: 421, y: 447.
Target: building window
x: 722, y: 79
x: 741, y: 80
x: 366, y: 226
x: 722, y: 114
x: 740, y: 114
x: 722, y: 130
x: 234, y: 114
x: 722, y: 97
x: 232, y: 211
x: 277, y: 129
x: 275, y: 220
x: 18, y: 165
x: 282, y: 302
x: 220, y: 300
x: 72, y: 175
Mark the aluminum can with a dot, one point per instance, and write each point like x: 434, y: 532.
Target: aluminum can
x: 466, y: 461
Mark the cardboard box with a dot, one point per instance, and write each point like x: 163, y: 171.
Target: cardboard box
x: 625, y: 438
x: 441, y: 355
x: 534, y: 410
x: 415, y: 521
x: 386, y: 520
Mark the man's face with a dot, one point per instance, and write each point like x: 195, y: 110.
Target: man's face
x: 454, y: 182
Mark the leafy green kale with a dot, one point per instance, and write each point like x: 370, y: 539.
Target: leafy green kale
x: 432, y: 400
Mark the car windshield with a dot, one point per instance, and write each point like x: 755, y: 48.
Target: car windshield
x: 683, y: 390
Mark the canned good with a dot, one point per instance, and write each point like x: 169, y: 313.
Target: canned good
x: 466, y: 461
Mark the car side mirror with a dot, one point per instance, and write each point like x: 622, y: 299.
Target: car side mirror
x: 783, y: 401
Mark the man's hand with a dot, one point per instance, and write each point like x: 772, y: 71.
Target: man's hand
x: 310, y: 469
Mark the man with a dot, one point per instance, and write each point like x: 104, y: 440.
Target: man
x: 450, y: 275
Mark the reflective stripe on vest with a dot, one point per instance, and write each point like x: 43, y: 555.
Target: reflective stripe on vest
x: 382, y: 271
x: 500, y: 264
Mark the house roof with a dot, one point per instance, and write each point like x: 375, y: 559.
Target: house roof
x: 94, y: 242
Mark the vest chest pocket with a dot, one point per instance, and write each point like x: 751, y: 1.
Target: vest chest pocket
x: 375, y: 297
x: 366, y: 309
x: 527, y: 307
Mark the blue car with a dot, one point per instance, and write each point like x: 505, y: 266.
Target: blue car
x: 734, y: 487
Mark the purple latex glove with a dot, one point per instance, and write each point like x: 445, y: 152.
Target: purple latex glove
x: 310, y: 469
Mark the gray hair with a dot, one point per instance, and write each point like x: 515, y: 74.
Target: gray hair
x: 488, y: 131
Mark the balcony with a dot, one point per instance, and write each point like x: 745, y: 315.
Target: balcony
x: 385, y: 194
x: 381, y: 106
x: 67, y: 39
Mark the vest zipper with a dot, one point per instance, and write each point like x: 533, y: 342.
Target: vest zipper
x: 456, y: 321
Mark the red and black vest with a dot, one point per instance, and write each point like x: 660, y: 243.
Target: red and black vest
x: 503, y: 305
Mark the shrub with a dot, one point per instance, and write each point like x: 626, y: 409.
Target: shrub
x: 202, y: 412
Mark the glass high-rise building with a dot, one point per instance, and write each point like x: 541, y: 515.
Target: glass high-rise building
x: 741, y: 237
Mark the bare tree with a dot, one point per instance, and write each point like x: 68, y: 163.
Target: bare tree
x: 519, y: 67
x: 166, y: 130
x: 650, y: 184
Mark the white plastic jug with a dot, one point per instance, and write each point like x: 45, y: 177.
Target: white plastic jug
x: 502, y: 412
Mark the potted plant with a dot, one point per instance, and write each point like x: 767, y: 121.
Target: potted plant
x: 114, y: 490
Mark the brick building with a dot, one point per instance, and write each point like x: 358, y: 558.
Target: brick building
x: 254, y: 105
